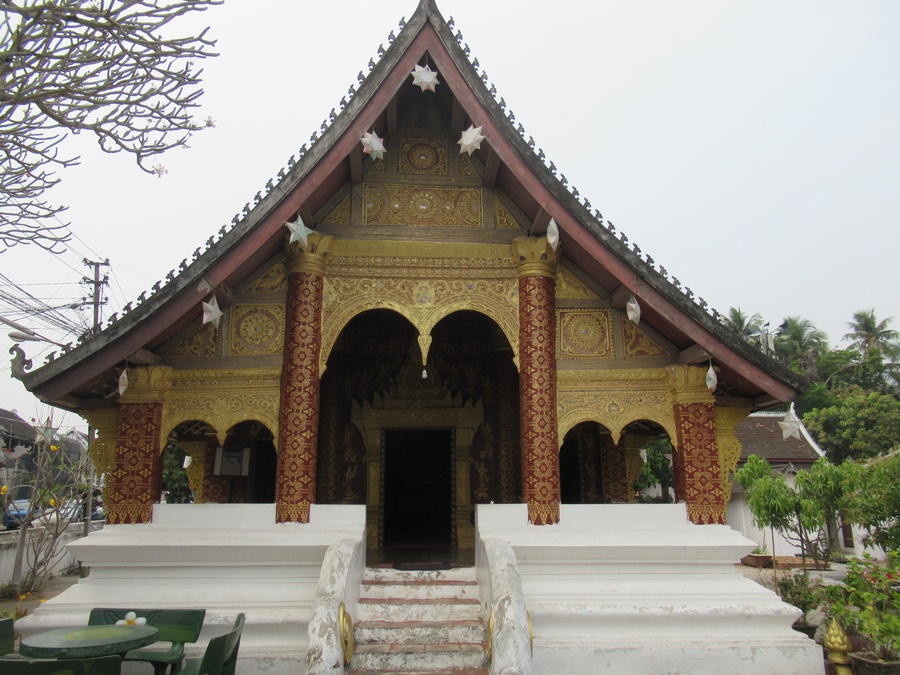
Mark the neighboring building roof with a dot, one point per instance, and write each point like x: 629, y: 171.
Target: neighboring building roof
x: 11, y: 425
x: 511, y: 162
x: 760, y: 435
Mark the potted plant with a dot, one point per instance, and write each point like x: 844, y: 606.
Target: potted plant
x: 796, y: 589
x: 760, y: 557
x: 868, y: 604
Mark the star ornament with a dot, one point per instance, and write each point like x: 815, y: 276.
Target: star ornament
x: 790, y: 426
x: 211, y: 312
x: 553, y: 234
x: 633, y: 310
x: 123, y: 381
x: 372, y: 145
x: 712, y: 380
x: 424, y: 77
x: 299, y: 231
x: 470, y: 140
x: 45, y: 433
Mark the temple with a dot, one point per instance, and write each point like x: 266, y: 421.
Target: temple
x: 418, y: 319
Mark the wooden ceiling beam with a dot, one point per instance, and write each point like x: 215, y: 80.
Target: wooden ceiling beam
x: 356, y: 163
x: 491, y: 169
x: 307, y: 215
x: 144, y: 357
x: 391, y: 113
x: 620, y: 297
x: 457, y: 118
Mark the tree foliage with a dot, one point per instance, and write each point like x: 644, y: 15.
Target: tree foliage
x: 873, y: 502
x: 802, y: 513
x: 657, y: 469
x: 175, y: 486
x: 859, y: 424
x: 109, y: 68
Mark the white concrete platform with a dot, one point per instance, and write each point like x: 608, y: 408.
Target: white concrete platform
x: 633, y: 588
x: 227, y: 558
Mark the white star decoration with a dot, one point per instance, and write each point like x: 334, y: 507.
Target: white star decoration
x: 424, y: 77
x: 553, y: 234
x: 790, y: 426
x: 372, y: 145
x: 711, y: 380
x: 470, y: 140
x: 45, y: 433
x: 633, y: 310
x: 299, y: 231
x: 123, y: 381
x: 212, y: 313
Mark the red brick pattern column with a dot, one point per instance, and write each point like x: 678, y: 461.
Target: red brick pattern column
x: 295, y: 482
x: 137, y: 474
x: 537, y: 379
x: 701, y: 483
x: 613, y: 473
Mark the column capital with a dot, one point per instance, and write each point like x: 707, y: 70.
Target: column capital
x: 310, y: 258
x: 147, y: 384
x: 534, y: 257
x: 688, y: 384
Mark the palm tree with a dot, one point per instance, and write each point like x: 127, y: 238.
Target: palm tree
x: 743, y: 325
x: 801, y: 344
x: 868, y: 333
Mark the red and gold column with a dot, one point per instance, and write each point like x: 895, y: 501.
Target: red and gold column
x: 136, y: 478
x: 699, y: 483
x: 536, y: 262
x: 295, y: 482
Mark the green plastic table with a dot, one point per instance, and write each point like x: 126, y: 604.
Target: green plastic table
x: 87, y: 641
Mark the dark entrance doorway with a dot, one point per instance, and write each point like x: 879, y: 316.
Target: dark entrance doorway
x: 418, y: 490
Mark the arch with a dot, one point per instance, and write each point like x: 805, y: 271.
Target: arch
x: 615, y: 415
x: 422, y: 302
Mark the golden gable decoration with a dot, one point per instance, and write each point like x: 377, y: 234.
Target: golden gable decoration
x: 273, y: 281
x: 257, y: 329
x: 423, y: 156
x: 340, y: 214
x: 203, y: 341
x: 568, y: 286
x: 411, y: 205
x: 584, y: 334
x: 639, y: 345
x: 503, y: 219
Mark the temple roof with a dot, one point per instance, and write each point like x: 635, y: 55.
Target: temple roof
x: 761, y: 435
x: 510, y: 161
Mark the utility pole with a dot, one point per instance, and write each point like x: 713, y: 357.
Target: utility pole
x: 96, y: 300
x: 97, y: 296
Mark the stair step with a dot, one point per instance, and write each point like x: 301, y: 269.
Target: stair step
x: 419, y: 588
x: 432, y: 632
x: 419, y: 657
x: 464, y: 671
x: 417, y: 609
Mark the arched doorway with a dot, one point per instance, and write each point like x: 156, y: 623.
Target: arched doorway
x: 428, y: 444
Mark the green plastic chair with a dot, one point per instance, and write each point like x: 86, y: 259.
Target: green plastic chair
x: 7, y: 636
x: 102, y: 665
x: 221, y: 653
x: 175, y: 626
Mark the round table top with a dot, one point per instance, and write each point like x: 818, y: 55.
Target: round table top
x: 87, y: 641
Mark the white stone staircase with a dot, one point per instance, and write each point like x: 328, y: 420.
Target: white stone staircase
x: 418, y: 622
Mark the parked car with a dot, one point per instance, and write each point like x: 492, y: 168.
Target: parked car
x: 72, y: 512
x: 15, y: 513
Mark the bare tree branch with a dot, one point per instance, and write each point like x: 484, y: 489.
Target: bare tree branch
x: 110, y: 68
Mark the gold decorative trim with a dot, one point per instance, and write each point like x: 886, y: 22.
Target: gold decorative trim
x: 570, y: 287
x: 422, y: 206
x: 534, y: 257
x: 584, y: 334
x: 222, y: 399
x: 257, y: 329
x: 639, y: 344
x: 201, y: 341
x: 730, y: 447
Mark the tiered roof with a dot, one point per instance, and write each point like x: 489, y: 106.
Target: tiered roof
x: 510, y: 160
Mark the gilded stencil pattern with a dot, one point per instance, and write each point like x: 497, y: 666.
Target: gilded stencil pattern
x: 614, y: 409
x: 424, y: 299
x: 613, y: 473
x: 568, y: 286
x: 537, y: 386
x: 135, y: 480
x: 340, y: 214
x: 700, y: 455
x: 584, y: 334
x: 299, y: 419
x: 466, y: 168
x: 273, y: 281
x: 729, y: 445
x: 418, y: 206
x: 223, y: 399
x: 257, y: 329
x: 423, y: 156
x: 640, y: 345
x: 503, y: 219
x: 201, y: 342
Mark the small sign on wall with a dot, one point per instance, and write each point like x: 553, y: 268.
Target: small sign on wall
x: 232, y: 462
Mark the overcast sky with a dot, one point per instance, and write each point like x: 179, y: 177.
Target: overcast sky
x: 751, y: 148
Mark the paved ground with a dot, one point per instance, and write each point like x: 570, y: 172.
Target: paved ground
x: 51, y: 589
